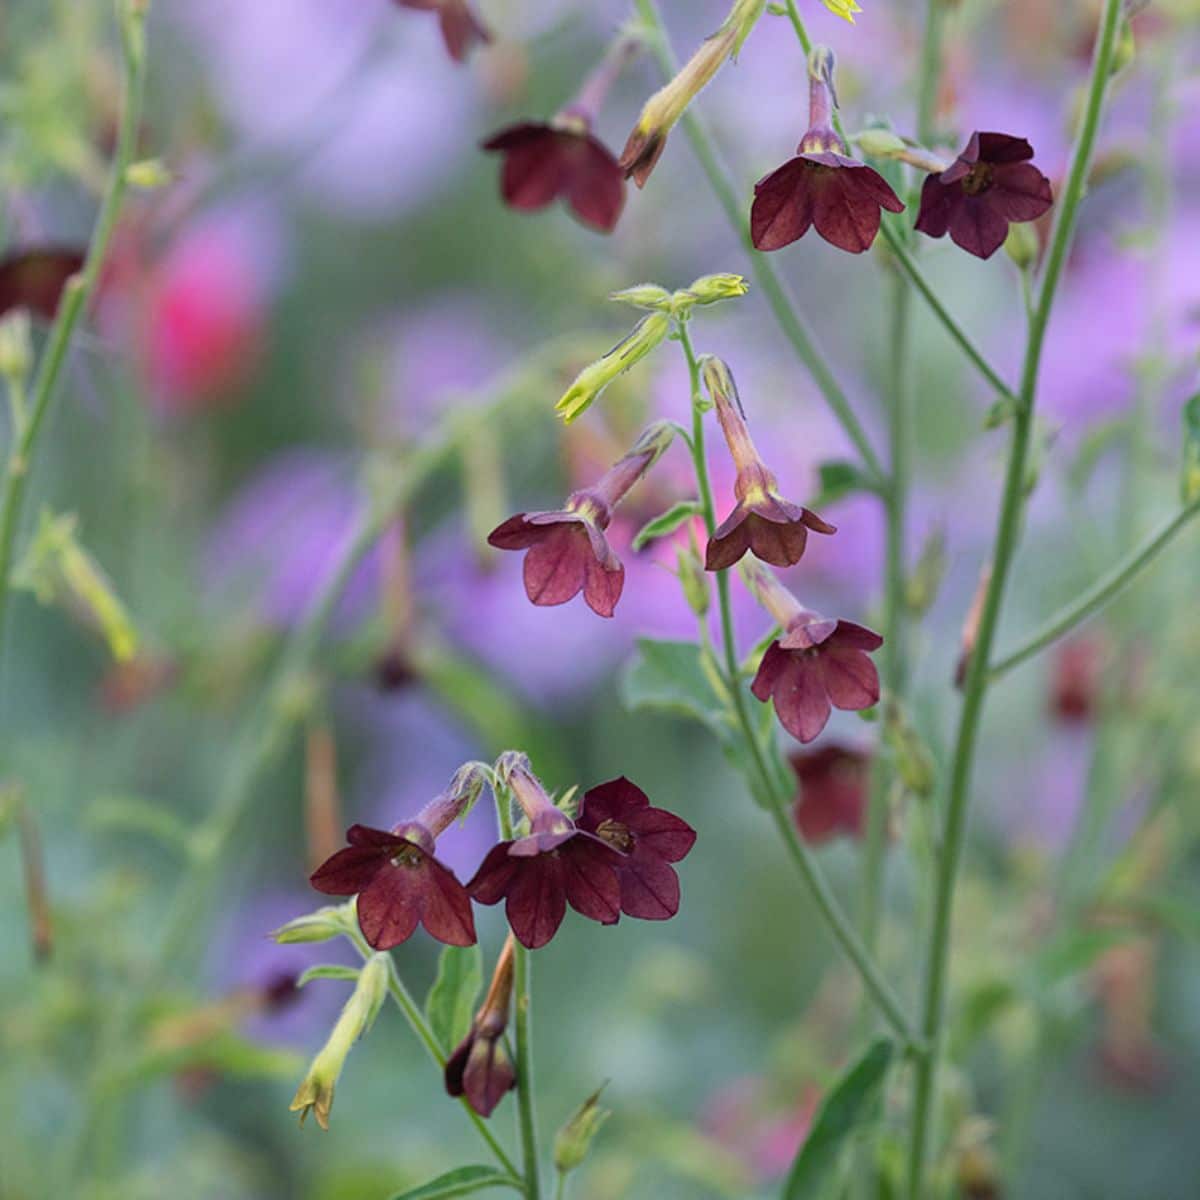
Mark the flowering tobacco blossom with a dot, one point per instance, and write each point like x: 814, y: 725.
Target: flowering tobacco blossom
x: 462, y: 30
x: 562, y: 158
x: 991, y: 184
x: 822, y: 186
x: 398, y: 880
x: 34, y: 278
x: 645, y: 144
x: 771, y: 528
x: 479, y: 1067
x: 833, y: 792
x: 1075, y: 682
x: 816, y: 664
x: 567, y: 550
x: 556, y: 863
x: 620, y: 814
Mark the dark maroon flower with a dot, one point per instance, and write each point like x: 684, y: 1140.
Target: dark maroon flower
x: 816, y: 664
x: 567, y: 550
x: 479, y: 1067
x: 991, y: 184
x: 555, y: 864
x: 1075, y: 685
x: 619, y: 813
x: 822, y: 186
x: 773, y: 529
x: 462, y: 30
x: 398, y: 880
x: 832, y: 797
x: 34, y: 278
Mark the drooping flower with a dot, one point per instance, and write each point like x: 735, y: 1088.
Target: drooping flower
x: 816, y: 664
x: 821, y: 186
x: 35, y: 277
x: 567, y: 550
x: 556, y: 863
x: 991, y: 184
x: 562, y: 159
x: 399, y: 881
x: 832, y: 796
x: 479, y: 1067
x: 462, y: 30
x: 619, y: 813
x: 771, y: 528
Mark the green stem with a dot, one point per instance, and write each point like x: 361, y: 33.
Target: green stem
x: 1106, y: 588
x: 1007, y: 534
x: 908, y: 265
x: 930, y: 75
x: 784, y: 309
x: 777, y: 799
x: 74, y: 301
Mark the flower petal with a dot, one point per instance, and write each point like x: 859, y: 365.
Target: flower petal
x: 850, y: 678
x: 1020, y: 192
x: 535, y: 172
x: 536, y: 901
x: 491, y: 881
x: 388, y: 910
x: 34, y: 278
x: 849, y: 636
x: 590, y: 878
x: 556, y: 567
x: 445, y: 906
x: 781, y: 545
x: 933, y: 218
x: 976, y: 226
x: 649, y: 888
x: 801, y: 701
x: 517, y: 533
x: 845, y: 212
x: 348, y: 871
x: 773, y: 663
x: 782, y: 208
x: 595, y: 188
x: 616, y: 800
x: 662, y: 833
x: 730, y: 540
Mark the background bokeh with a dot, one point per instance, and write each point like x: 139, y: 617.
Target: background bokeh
x: 330, y: 275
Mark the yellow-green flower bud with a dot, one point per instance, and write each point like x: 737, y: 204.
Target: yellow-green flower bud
x: 148, y: 174
x: 843, y: 8
x: 644, y: 295
x: 595, y: 377
x: 574, y: 1139
x: 320, y: 926
x: 880, y: 143
x: 1021, y: 245
x: 711, y: 289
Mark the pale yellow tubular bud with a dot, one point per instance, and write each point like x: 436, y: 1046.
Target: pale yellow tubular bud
x: 595, y: 377
x: 880, y: 143
x: 148, y: 174
x: 320, y: 926
x: 644, y: 295
x: 711, y: 289
x: 1021, y: 245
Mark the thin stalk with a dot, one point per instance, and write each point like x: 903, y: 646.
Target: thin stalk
x: 1007, y: 535
x: 74, y: 301
x: 838, y: 923
x: 930, y: 76
x: 1106, y: 588
x: 793, y: 325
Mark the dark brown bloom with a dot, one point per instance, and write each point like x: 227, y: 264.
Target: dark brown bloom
x: 619, y: 813
x: 771, y: 528
x: 479, y: 1067
x: 991, y: 184
x: 34, y: 278
x: 832, y: 796
x: 822, y: 186
x: 462, y: 30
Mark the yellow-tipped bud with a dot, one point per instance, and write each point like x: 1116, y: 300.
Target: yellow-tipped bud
x: 148, y: 174
x: 843, y: 8
x: 595, y: 377
x: 644, y: 295
x: 711, y: 289
x: 574, y: 1139
x: 320, y: 926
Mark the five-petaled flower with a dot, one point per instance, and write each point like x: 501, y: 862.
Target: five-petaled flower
x: 479, y: 1067
x: 991, y: 184
x: 567, y: 550
x: 821, y: 186
x: 620, y: 813
x: 556, y: 863
x: 816, y: 664
x: 771, y: 528
x: 462, y: 30
x: 832, y: 794
x: 398, y: 880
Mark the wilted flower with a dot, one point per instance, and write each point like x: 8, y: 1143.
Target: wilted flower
x: 773, y: 529
x: 462, y: 30
x: 479, y: 1067
x: 822, y: 186
x: 34, y: 278
x: 562, y: 158
x: 619, y: 813
x: 989, y: 185
x: 555, y: 864
x: 832, y: 797
x: 398, y: 880
x: 567, y: 550
x: 816, y: 664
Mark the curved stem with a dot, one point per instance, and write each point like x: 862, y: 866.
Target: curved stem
x: 1098, y: 595
x: 1007, y: 534
x: 838, y: 923
x: 74, y: 300
x: 784, y: 309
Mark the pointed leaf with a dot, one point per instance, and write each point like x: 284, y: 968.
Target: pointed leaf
x: 451, y: 1000
x: 464, y: 1181
x: 327, y: 971
x: 666, y: 523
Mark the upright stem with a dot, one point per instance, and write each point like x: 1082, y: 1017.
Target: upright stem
x: 74, y: 300
x: 1007, y: 533
x: 930, y: 78
x: 839, y: 924
x: 786, y: 314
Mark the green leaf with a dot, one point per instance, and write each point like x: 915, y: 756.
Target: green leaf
x: 327, y: 971
x: 1072, y: 953
x: 846, y: 1108
x: 666, y: 522
x: 839, y: 478
x: 673, y: 677
x: 461, y: 1182
x: 1190, y: 482
x: 981, y: 1007
x: 450, y: 1004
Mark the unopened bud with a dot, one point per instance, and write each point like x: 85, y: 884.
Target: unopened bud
x: 711, y: 289
x: 148, y: 174
x: 880, y: 143
x: 574, y: 1139
x: 1124, y: 48
x: 16, y: 347
x: 320, y: 926
x: 843, y: 8
x: 1021, y: 245
x: 594, y: 378
x: 644, y: 295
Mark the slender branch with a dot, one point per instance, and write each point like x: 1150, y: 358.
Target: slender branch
x: 782, y: 306
x: 908, y: 265
x: 1098, y: 595
x: 839, y: 924
x: 930, y: 77
x: 73, y: 303
x: 1007, y: 535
